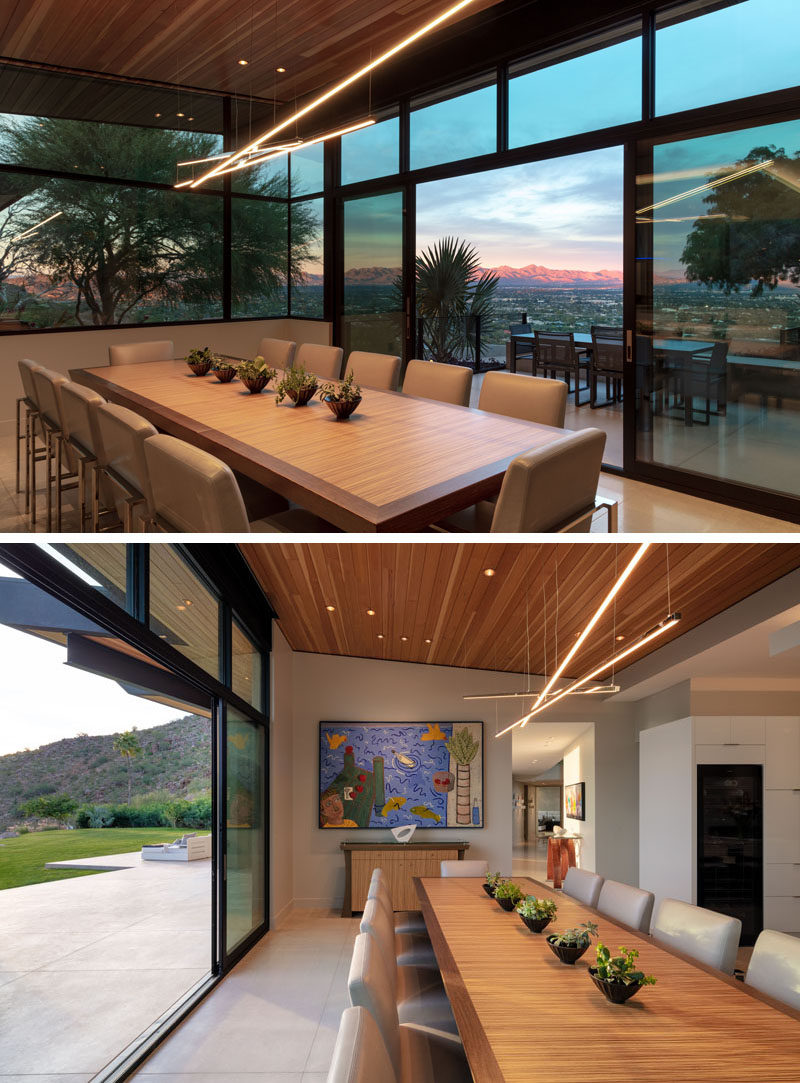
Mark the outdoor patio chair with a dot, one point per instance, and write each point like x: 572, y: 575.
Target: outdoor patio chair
x: 557, y: 353
x: 607, y: 359
x: 525, y: 348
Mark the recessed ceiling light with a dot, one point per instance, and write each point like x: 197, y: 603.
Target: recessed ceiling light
x: 186, y: 601
x: 243, y: 62
x: 280, y: 70
x: 190, y: 118
x: 331, y: 608
x: 157, y: 115
x: 489, y: 572
x: 380, y: 635
x: 180, y: 114
x: 370, y: 612
x: 427, y: 641
x: 180, y: 608
x: 620, y: 638
x: 404, y: 639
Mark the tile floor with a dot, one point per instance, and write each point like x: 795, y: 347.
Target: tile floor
x: 642, y: 508
x: 274, y: 1018
x: 87, y: 964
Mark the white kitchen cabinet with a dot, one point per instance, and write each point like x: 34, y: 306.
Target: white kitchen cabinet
x: 747, y: 730
x: 782, y: 913
x: 729, y: 754
x: 714, y: 730
x: 781, y: 827
x: 782, y: 879
x: 783, y: 753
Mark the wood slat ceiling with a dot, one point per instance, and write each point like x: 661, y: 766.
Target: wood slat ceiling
x: 439, y: 592
x: 198, y: 42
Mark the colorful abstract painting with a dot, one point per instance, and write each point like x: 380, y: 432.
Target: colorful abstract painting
x: 574, y: 801
x: 386, y: 774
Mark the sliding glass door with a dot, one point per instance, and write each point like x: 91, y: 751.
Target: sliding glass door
x: 717, y: 342
x: 373, y: 309
x: 245, y: 832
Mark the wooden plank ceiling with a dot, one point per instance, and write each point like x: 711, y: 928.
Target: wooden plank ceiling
x: 450, y: 613
x: 198, y: 42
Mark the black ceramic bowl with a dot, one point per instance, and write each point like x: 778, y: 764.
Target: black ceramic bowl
x: 536, y: 925
x: 567, y: 953
x: 507, y: 904
x: 615, y: 991
x: 488, y: 889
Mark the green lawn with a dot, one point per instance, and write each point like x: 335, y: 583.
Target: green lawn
x: 22, y: 860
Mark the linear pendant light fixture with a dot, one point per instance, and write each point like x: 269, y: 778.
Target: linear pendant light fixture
x: 597, y: 690
x: 395, y: 49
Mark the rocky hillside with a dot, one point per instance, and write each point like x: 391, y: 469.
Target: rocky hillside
x: 175, y: 758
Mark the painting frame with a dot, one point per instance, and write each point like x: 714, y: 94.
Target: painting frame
x: 575, y: 798
x: 439, y: 804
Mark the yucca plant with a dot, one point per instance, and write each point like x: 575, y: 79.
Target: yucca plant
x: 463, y: 747
x: 451, y: 288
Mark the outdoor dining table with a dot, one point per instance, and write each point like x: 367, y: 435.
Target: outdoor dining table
x: 400, y: 463
x: 525, y: 1017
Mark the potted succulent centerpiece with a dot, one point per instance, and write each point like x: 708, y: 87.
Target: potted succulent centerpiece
x: 342, y: 399
x: 491, y: 882
x: 298, y: 385
x: 200, y: 360
x: 618, y: 977
x: 570, y: 945
x: 536, y: 913
x: 224, y: 369
x: 507, y: 894
x: 255, y: 374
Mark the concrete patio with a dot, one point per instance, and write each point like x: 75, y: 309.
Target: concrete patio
x: 87, y: 964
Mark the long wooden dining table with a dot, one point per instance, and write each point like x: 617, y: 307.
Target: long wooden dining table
x: 525, y: 1017
x: 400, y: 463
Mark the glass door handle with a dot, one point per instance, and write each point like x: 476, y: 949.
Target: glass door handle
x: 629, y: 346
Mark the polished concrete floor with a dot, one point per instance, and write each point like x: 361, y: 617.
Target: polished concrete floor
x: 87, y: 964
x: 642, y: 508
x: 274, y: 1018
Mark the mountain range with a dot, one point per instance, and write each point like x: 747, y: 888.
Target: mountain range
x: 533, y: 275
x: 176, y: 757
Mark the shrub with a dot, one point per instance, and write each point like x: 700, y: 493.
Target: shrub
x: 23, y: 831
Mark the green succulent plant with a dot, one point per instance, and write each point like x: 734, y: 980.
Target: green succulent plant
x: 221, y: 364
x: 507, y: 889
x: 201, y: 355
x: 579, y: 937
x: 294, y: 384
x: 493, y: 879
x: 531, y: 907
x: 250, y: 370
x: 346, y: 391
x: 621, y: 968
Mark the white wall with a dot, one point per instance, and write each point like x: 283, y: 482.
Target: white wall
x: 281, y: 853
x: 667, y: 811
x: 579, y: 767
x: 330, y: 688
x: 63, y: 351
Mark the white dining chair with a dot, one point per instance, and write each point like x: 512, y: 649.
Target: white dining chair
x: 409, y: 922
x: 122, y: 465
x: 323, y: 361
x: 583, y: 885
x: 775, y: 967
x: 61, y: 465
x: 359, y: 1055
x: 416, y: 1053
x: 277, y: 352
x: 137, y: 353
x: 707, y: 936
x: 464, y: 868
x: 630, y: 905
x: 34, y: 436
x: 80, y: 415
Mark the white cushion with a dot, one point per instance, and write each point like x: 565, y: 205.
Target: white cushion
x: 709, y: 937
x: 583, y: 885
x: 631, y: 905
x: 775, y: 967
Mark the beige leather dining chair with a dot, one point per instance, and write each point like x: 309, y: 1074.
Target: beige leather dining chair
x: 194, y: 492
x: 33, y: 438
x: 775, y: 967
x: 359, y: 1055
x: 136, y: 353
x: 552, y: 489
x: 122, y: 465
x: 709, y: 937
x: 378, y: 370
x: 442, y: 383
x: 60, y: 462
x: 405, y: 921
x: 324, y: 361
x: 630, y: 905
x: 418, y: 990
x: 277, y: 352
x: 464, y: 868
x: 529, y: 398
x: 415, y: 1053
x: 583, y: 885
x: 80, y: 415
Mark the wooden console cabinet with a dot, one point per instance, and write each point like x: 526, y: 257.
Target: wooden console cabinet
x: 400, y: 861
